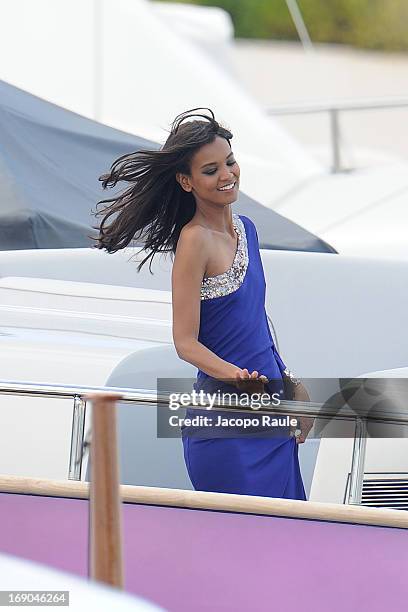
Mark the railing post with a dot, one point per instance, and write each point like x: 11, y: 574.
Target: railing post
x: 358, y: 462
x: 106, y: 562
x: 335, y: 138
x: 333, y: 108
x: 77, y: 438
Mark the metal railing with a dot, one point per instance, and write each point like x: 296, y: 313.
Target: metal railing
x: 334, y: 108
x: 147, y: 396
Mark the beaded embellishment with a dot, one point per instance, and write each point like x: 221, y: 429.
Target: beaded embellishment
x: 292, y: 377
x: 231, y: 280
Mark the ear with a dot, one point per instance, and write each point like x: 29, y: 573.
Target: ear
x: 183, y: 180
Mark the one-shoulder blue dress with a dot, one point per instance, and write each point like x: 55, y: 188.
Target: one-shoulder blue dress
x: 233, y: 324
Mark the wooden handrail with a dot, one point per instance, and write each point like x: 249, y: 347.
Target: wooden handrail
x: 223, y: 502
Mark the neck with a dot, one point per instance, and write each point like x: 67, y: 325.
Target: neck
x: 218, y: 219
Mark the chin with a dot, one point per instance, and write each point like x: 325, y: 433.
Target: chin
x: 232, y: 197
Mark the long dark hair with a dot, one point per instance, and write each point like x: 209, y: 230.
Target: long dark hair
x: 154, y: 208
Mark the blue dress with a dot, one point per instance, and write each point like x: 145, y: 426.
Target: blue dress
x: 233, y: 324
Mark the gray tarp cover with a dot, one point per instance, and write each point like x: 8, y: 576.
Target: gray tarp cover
x: 50, y: 161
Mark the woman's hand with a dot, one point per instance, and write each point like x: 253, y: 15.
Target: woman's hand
x: 251, y: 383
x: 305, y: 423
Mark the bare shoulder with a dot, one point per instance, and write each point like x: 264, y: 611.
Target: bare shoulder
x: 194, y: 231
x: 194, y: 240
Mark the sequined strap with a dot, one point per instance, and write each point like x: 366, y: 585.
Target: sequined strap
x: 231, y: 280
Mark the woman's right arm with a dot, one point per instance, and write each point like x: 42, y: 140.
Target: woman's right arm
x: 188, y: 271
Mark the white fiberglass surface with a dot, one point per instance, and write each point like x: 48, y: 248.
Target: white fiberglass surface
x: 337, y: 315
x: 330, y: 311
x: 20, y: 574
x: 360, y: 213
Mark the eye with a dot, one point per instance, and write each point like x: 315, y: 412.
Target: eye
x: 232, y: 162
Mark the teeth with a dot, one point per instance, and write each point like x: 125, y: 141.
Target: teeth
x: 227, y: 187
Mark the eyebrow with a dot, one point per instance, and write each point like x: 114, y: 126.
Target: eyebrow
x: 214, y: 163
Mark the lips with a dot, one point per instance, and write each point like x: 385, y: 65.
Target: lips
x: 230, y: 189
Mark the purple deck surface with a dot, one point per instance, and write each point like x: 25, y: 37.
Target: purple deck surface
x: 195, y: 560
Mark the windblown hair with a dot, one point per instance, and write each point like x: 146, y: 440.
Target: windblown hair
x: 154, y: 207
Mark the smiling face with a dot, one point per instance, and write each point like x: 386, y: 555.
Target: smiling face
x: 213, y: 168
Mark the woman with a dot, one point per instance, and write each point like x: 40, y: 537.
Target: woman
x: 179, y: 201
